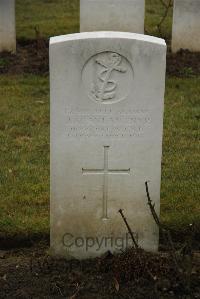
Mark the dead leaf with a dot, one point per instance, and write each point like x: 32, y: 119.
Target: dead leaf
x: 116, y: 284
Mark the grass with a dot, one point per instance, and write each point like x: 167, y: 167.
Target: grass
x: 24, y: 159
x: 55, y: 17
x: 180, y: 203
x: 51, y: 17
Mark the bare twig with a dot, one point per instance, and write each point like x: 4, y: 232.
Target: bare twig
x: 138, y: 249
x: 59, y: 289
x: 165, y: 232
x: 152, y: 206
x: 76, y: 293
x: 165, y: 4
x: 167, y: 7
x: 41, y: 46
x: 129, y: 229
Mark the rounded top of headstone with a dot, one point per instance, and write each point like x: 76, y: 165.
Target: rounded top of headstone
x: 107, y: 34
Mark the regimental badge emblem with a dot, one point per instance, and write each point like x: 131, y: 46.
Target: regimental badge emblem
x: 107, y: 77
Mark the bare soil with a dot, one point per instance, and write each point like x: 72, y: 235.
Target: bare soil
x: 32, y: 273
x: 32, y: 56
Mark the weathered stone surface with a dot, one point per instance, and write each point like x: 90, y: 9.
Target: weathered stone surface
x: 186, y: 25
x: 107, y: 91
x: 112, y: 15
x: 7, y: 26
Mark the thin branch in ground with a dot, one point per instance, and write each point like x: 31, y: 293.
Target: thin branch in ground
x: 76, y: 292
x: 139, y: 255
x: 167, y: 7
x: 129, y: 229
x: 152, y: 206
x: 58, y: 288
x: 165, y: 232
x: 41, y: 46
x: 166, y: 4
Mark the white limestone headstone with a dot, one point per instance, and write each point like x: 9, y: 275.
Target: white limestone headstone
x: 112, y: 15
x: 107, y: 91
x: 7, y: 26
x: 186, y: 25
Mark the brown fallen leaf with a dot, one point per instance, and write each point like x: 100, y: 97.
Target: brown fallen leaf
x: 116, y: 284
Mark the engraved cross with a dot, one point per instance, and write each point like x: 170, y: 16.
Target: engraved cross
x: 105, y: 172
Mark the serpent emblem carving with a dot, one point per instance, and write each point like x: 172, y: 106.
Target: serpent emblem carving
x: 104, y: 89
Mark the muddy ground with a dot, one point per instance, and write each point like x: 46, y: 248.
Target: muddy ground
x: 32, y: 273
x: 28, y: 271
x: 32, y: 57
